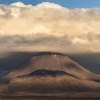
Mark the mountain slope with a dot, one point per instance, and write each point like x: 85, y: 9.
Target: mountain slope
x: 49, y: 73
x: 50, y: 61
x: 46, y: 82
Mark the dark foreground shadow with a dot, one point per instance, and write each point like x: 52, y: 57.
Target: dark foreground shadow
x: 48, y: 98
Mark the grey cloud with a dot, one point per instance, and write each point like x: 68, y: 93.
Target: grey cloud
x: 42, y: 39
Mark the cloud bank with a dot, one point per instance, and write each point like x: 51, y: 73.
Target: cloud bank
x: 49, y: 27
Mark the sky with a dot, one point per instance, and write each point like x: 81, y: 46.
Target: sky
x: 71, y: 26
x: 66, y: 3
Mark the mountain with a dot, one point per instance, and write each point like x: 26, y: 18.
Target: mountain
x: 48, y: 72
x: 10, y: 60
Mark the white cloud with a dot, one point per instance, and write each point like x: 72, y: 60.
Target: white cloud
x: 49, y: 5
x: 20, y: 4
x: 49, y: 26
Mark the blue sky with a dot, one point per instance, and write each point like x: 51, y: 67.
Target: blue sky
x: 65, y: 3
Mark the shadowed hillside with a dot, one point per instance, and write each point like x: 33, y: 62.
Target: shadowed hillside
x: 46, y: 82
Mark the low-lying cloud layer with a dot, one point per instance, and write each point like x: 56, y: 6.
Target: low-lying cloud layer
x: 49, y: 26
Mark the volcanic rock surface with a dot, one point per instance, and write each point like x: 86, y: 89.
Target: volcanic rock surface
x: 49, y: 73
